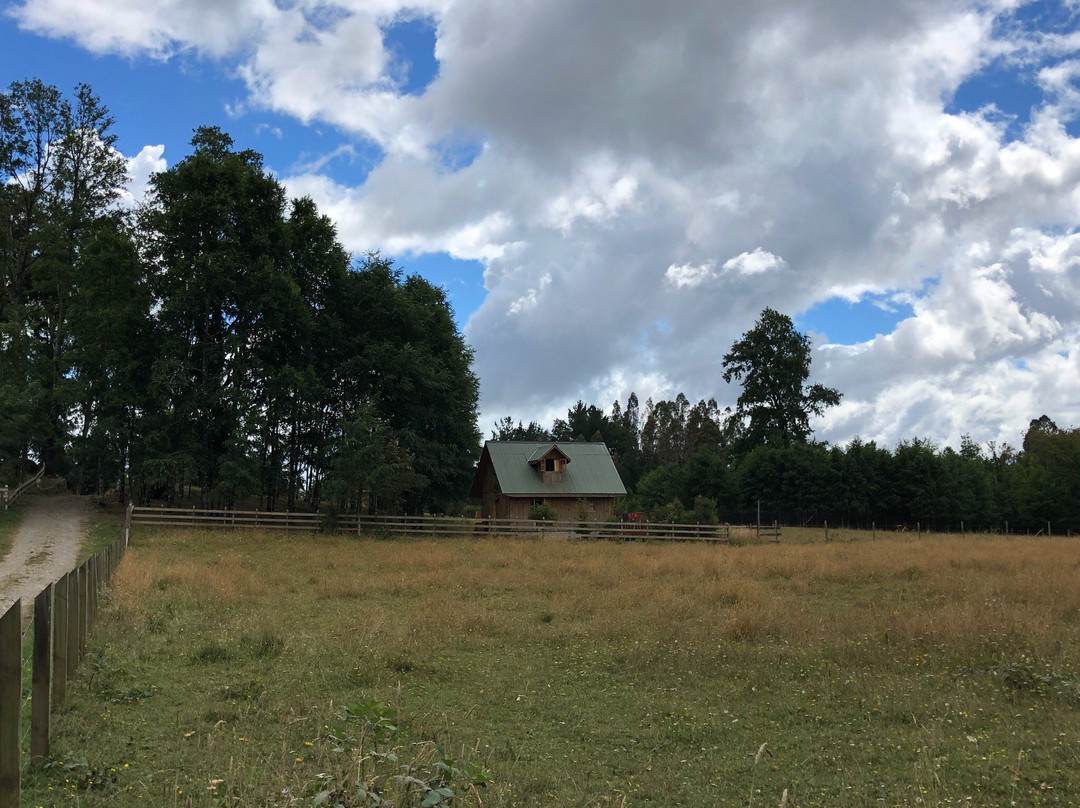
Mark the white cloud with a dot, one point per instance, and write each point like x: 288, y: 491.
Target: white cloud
x: 148, y: 161
x: 626, y: 155
x: 690, y: 275
x: 754, y: 263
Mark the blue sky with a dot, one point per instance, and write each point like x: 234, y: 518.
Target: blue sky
x: 895, y: 177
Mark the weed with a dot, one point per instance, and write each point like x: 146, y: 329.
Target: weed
x: 268, y: 645
x: 211, y: 652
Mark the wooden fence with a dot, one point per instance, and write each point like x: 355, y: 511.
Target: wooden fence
x: 56, y: 640
x: 8, y: 497
x: 429, y: 526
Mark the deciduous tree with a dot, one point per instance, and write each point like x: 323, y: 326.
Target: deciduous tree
x: 772, y: 361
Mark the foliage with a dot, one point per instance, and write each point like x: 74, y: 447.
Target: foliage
x: 506, y: 429
x: 704, y: 511
x: 772, y: 361
x: 221, y: 345
x: 59, y: 176
x: 541, y: 510
x: 672, y: 511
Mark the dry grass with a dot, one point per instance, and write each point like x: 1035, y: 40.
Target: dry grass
x: 960, y: 593
x: 588, y: 670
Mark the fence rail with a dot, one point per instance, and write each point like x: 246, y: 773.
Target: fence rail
x: 63, y: 619
x: 265, y: 520
x: 8, y: 497
x: 427, y: 526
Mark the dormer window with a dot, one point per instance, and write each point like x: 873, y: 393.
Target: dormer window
x: 550, y: 463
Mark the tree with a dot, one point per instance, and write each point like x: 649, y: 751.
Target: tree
x: 216, y: 231
x: 772, y: 360
x: 506, y: 429
x: 370, y: 470
x: 59, y: 174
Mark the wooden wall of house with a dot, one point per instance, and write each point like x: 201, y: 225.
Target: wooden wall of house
x: 598, y: 509
x: 490, y: 494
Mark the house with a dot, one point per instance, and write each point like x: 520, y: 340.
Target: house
x: 576, y: 479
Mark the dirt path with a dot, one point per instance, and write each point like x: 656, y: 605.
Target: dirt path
x: 45, y: 546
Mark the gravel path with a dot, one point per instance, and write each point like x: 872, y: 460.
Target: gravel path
x: 45, y: 547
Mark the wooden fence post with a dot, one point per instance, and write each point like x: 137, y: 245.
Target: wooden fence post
x: 74, y: 621
x: 61, y: 605
x: 84, y: 608
x: 10, y: 705
x: 91, y: 588
x: 95, y: 595
x: 41, y: 677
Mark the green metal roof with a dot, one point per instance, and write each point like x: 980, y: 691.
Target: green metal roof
x: 589, y: 472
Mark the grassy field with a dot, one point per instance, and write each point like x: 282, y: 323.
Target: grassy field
x: 235, y: 669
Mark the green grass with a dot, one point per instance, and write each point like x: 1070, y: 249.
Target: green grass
x: 9, y: 523
x: 106, y: 526
x: 900, y: 673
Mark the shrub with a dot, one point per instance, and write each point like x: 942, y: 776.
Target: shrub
x: 704, y: 512
x: 542, y: 510
x: 672, y: 512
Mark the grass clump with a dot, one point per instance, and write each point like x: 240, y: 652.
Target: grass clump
x: 285, y: 670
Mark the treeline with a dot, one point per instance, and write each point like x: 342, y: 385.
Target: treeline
x: 689, y: 462
x: 216, y: 345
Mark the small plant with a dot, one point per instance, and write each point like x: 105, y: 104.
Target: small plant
x: 380, y: 779
x: 542, y: 511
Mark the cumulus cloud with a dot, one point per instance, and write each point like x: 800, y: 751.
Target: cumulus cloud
x: 652, y: 166
x: 690, y: 275
x: 149, y: 160
x: 754, y: 263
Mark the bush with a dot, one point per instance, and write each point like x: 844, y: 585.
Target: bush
x: 704, y: 512
x: 672, y: 512
x: 542, y: 510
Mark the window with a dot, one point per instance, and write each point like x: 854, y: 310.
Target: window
x: 549, y: 464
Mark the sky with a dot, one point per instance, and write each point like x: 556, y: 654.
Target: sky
x: 611, y: 192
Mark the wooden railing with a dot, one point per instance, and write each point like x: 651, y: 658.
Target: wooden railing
x: 63, y: 620
x: 427, y: 526
x: 449, y: 526
x: 7, y: 498
x: 263, y: 520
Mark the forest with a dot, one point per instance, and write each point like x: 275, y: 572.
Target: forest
x: 216, y: 344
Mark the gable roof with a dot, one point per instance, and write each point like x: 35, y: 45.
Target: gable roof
x: 589, y: 469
